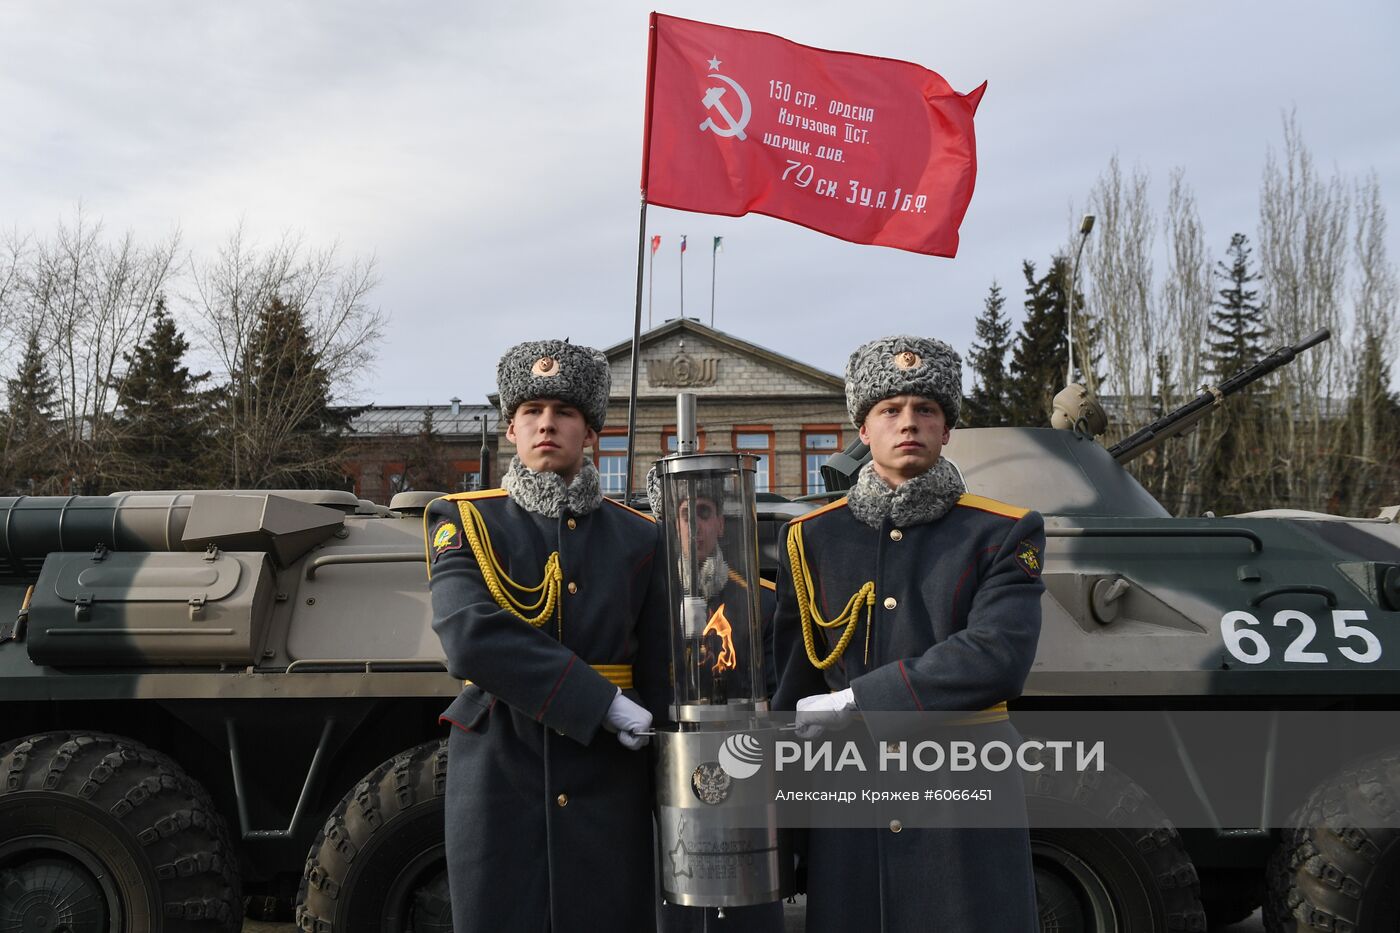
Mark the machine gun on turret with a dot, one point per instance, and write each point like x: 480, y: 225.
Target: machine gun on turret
x: 1183, y: 419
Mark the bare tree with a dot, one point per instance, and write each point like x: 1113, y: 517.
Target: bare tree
x: 89, y: 299
x: 13, y: 248
x: 1375, y: 298
x: 1303, y: 239
x: 1186, y: 291
x: 1185, y: 312
x: 1368, y: 478
x: 270, y: 399
x: 1119, y: 282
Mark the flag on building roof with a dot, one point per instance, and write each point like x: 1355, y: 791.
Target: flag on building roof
x: 655, y: 243
x: 719, y: 244
x: 682, y: 244
x: 868, y: 149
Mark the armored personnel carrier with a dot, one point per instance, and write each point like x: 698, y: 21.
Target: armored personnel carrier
x: 207, y: 695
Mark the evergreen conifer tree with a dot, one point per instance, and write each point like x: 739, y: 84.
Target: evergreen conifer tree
x: 989, y: 405
x: 426, y: 466
x: 164, y: 441
x: 278, y: 424
x: 1236, y: 340
x: 1038, y: 358
x: 1237, y: 323
x: 27, y: 458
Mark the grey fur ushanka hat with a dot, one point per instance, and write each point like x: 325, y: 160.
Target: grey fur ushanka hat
x: 555, y: 369
x: 903, y: 365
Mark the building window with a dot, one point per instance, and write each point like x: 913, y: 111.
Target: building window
x: 818, y: 444
x: 468, y: 475
x: 757, y: 441
x: 611, y: 456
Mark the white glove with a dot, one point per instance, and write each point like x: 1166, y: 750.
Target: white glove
x: 816, y: 714
x: 627, y: 719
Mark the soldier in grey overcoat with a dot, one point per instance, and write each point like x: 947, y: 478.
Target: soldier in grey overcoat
x: 946, y: 618
x: 550, y: 607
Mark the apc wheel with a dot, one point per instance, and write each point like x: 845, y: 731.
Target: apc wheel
x: 380, y: 864
x: 1120, y: 868
x: 1332, y: 872
x: 99, y: 834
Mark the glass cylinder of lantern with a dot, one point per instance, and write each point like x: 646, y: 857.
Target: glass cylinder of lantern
x: 711, y: 535
x: 717, y: 823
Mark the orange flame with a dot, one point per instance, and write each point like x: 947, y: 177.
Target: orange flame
x: 719, y: 624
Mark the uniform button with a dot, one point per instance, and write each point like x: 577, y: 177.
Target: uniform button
x: 896, y: 826
x: 890, y: 602
x: 572, y: 524
x: 896, y: 534
x: 573, y: 587
x: 562, y: 800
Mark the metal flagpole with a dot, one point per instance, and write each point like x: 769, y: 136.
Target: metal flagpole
x: 714, y: 253
x: 636, y: 353
x: 641, y: 245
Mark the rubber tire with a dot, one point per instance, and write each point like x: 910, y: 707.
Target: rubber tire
x: 163, y: 850
x: 1122, y: 846
x: 381, y: 854
x: 1331, y: 873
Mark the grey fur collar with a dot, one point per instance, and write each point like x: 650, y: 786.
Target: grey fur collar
x: 714, y: 575
x: 925, y: 498
x: 546, y: 493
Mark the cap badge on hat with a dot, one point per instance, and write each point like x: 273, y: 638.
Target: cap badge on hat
x: 545, y: 367
x: 907, y: 359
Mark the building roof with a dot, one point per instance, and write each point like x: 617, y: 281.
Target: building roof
x: 623, y: 350
x: 404, y: 420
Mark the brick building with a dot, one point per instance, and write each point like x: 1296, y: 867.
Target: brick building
x: 402, y: 447
x: 790, y: 415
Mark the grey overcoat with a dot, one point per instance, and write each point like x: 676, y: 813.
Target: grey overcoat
x: 548, y: 815
x: 954, y: 627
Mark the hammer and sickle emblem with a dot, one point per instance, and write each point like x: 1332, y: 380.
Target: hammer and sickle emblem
x: 907, y: 360
x: 545, y: 366
x: 713, y: 101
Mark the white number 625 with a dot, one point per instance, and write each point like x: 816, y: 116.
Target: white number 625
x: 1245, y: 643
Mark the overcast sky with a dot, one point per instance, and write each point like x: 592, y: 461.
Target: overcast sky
x: 488, y: 155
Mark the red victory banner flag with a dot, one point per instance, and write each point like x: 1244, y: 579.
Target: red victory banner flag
x: 868, y: 149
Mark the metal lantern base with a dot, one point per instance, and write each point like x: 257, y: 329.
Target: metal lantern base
x: 720, y: 846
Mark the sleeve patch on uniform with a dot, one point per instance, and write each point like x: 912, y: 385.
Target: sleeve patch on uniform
x: 1028, y: 558
x: 446, y: 537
